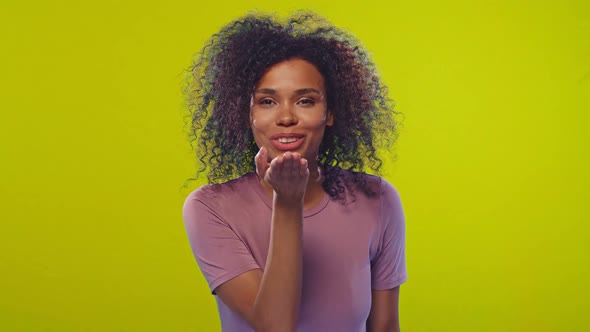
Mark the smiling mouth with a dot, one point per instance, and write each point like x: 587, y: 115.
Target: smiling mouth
x: 289, y: 143
x: 287, y: 139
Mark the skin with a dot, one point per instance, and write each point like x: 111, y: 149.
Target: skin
x: 290, y: 98
x: 294, y: 105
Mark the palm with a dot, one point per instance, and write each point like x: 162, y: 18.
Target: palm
x: 287, y: 174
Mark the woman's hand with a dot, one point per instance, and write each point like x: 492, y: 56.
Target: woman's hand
x: 286, y: 174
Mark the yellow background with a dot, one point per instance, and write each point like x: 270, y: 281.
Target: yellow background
x: 492, y: 164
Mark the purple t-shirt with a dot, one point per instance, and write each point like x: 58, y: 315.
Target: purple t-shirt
x: 348, y: 249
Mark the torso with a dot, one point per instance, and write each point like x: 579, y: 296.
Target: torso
x: 338, y: 243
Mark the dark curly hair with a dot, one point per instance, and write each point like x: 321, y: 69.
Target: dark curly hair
x: 221, y: 82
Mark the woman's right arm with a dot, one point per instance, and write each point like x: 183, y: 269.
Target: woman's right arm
x: 269, y: 301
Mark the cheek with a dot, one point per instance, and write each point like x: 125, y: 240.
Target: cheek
x: 316, y: 120
x: 256, y: 135
x: 259, y: 119
x: 254, y: 124
x: 257, y: 126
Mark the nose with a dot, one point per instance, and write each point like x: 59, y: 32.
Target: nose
x: 286, y: 117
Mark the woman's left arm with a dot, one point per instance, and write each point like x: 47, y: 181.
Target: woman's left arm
x: 384, y: 315
x: 388, y: 266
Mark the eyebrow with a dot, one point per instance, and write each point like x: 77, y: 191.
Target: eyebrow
x: 297, y: 92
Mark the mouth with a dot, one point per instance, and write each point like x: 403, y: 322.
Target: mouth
x: 287, y: 142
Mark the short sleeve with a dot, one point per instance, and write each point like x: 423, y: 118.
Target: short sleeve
x: 388, y: 266
x: 219, y: 252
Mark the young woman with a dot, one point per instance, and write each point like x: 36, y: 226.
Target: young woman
x: 291, y: 234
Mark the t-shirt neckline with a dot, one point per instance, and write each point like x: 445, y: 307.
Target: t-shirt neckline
x: 253, y: 179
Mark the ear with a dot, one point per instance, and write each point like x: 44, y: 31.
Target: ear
x: 330, y: 119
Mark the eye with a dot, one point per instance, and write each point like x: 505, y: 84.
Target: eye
x: 266, y: 102
x: 307, y: 102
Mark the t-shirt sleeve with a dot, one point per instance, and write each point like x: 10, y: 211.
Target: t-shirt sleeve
x: 388, y: 266
x: 219, y: 252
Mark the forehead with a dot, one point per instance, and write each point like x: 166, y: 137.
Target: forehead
x: 292, y: 74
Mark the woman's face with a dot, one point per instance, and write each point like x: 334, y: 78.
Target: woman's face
x: 288, y: 109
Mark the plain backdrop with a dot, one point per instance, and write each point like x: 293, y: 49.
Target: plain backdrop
x: 492, y: 166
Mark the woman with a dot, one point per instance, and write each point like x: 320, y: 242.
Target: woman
x: 292, y: 235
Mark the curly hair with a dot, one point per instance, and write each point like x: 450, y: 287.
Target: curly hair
x: 223, y: 75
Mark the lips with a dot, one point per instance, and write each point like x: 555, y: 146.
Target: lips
x: 287, y: 142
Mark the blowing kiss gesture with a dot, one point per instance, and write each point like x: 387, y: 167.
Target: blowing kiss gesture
x: 286, y: 174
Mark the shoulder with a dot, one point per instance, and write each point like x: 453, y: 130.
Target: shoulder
x: 388, y: 191
x: 220, y: 190
x: 392, y: 211
x: 215, y: 196
x: 385, y: 198
x: 379, y: 186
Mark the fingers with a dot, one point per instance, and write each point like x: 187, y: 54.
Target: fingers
x: 279, y: 165
x: 261, y: 161
x: 303, y: 169
x: 287, y: 171
x: 289, y: 158
x: 288, y: 164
